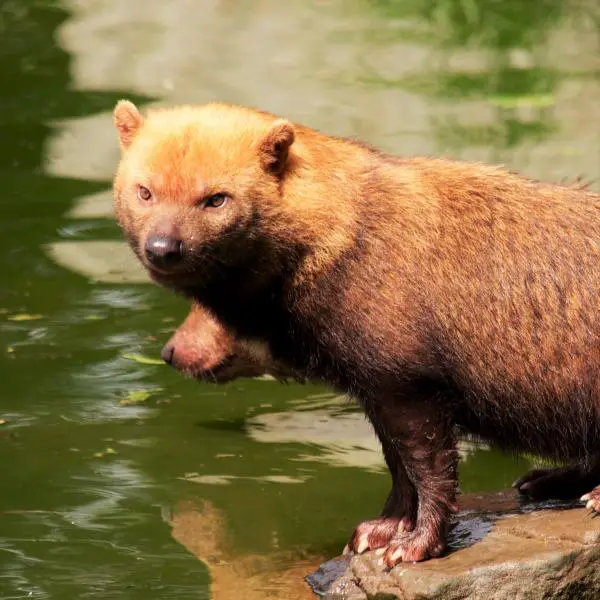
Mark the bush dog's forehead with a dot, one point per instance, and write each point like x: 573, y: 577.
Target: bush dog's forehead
x: 182, y: 155
x: 196, y: 150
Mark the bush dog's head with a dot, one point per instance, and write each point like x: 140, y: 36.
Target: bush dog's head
x: 203, y: 348
x: 194, y: 182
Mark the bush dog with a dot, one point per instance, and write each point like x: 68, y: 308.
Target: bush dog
x: 442, y: 295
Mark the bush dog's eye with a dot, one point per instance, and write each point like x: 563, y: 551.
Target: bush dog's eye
x: 144, y: 193
x: 216, y: 201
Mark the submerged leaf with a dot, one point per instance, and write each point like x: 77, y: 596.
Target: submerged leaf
x: 144, y: 360
x: 25, y: 317
x: 139, y: 396
x: 105, y: 452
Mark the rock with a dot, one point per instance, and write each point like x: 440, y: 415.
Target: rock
x: 499, y: 551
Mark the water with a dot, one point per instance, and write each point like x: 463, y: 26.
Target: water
x: 248, y: 485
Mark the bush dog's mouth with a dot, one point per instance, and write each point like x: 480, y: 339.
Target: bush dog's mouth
x: 167, y: 277
x: 217, y: 374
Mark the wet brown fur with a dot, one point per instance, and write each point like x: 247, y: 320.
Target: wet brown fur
x: 437, y: 293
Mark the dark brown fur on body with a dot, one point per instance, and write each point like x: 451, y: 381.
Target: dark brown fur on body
x: 437, y: 293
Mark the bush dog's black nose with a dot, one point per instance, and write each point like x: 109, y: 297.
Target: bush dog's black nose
x: 167, y: 354
x: 163, y: 251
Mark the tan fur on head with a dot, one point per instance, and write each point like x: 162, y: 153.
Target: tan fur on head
x: 264, y: 163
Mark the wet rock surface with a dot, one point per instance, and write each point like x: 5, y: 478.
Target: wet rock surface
x: 499, y: 551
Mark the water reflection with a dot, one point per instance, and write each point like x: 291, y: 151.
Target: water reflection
x: 203, y: 531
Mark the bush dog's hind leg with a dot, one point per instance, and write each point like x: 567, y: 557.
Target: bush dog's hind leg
x: 562, y: 483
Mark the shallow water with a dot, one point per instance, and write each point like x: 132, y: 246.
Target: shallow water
x: 122, y: 479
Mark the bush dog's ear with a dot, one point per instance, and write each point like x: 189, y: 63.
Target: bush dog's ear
x: 127, y: 121
x: 274, y: 147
